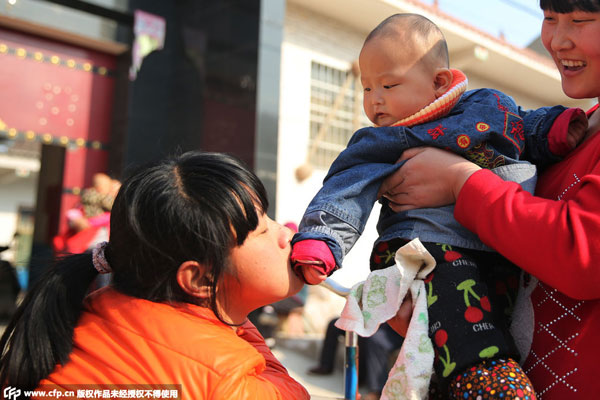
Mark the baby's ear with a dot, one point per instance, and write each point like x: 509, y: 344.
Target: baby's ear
x: 442, y: 81
x: 193, y: 279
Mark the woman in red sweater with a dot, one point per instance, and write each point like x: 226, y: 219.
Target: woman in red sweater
x: 191, y: 252
x: 555, y: 235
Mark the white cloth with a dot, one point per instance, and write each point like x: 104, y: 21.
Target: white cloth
x: 378, y: 298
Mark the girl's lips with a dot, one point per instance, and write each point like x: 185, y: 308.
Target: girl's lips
x: 571, y: 71
x: 572, y: 66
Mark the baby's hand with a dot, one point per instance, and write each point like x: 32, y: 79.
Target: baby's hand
x: 312, y: 260
x: 577, y: 129
x: 312, y: 276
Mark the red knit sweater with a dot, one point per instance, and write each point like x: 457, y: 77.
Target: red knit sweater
x: 554, y: 236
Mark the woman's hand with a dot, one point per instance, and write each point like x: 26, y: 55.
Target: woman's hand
x: 430, y: 177
x: 401, y: 320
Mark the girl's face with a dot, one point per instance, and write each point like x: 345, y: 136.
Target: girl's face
x: 260, y: 271
x: 573, y: 41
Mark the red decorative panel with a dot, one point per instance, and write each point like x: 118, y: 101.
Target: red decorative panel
x: 59, y: 94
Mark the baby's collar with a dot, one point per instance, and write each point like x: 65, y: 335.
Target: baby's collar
x: 440, y: 106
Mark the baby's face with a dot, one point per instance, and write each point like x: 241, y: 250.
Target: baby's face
x: 396, y: 83
x: 102, y: 183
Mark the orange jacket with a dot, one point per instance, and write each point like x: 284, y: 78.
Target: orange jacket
x: 125, y: 340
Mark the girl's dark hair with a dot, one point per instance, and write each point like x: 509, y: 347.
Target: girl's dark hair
x: 567, y: 6
x: 197, y: 206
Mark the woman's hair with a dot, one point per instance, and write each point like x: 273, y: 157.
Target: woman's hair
x: 197, y: 206
x: 567, y: 6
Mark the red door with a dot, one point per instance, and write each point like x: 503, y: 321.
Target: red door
x: 59, y: 95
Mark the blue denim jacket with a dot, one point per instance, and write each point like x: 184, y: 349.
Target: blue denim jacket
x: 485, y: 126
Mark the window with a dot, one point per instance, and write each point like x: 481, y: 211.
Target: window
x: 335, y: 113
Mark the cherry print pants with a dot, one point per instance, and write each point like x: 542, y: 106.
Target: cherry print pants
x: 470, y: 295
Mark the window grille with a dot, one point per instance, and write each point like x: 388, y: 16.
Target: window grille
x: 335, y: 113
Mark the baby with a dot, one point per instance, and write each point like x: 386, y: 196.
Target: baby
x: 415, y: 99
x: 95, y: 203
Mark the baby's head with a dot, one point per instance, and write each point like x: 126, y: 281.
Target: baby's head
x: 404, y: 67
x: 102, y: 183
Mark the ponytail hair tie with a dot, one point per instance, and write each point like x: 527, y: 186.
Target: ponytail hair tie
x: 99, y: 259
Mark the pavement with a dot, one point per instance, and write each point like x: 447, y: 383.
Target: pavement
x: 319, y: 387
x: 300, y: 354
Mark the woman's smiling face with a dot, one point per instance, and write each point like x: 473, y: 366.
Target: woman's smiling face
x: 573, y: 41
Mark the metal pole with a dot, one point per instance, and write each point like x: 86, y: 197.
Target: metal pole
x: 351, y: 366
x: 351, y: 343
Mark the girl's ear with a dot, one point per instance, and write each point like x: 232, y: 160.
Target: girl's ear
x: 193, y: 279
x: 442, y: 81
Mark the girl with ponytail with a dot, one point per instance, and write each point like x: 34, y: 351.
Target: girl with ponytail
x: 191, y: 252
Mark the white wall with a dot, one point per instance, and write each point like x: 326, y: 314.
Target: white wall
x: 523, y: 98
x: 309, y: 37
x: 15, y: 192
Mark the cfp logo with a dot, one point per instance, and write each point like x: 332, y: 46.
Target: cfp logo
x: 11, y: 393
